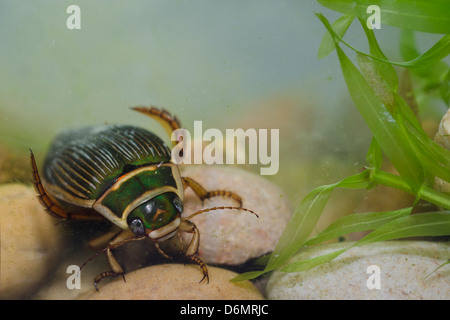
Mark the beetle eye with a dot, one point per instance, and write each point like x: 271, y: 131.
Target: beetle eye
x: 137, y: 227
x: 178, y: 204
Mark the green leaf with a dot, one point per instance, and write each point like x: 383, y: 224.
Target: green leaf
x: 429, y: 78
x: 308, y: 264
x: 384, y: 69
x: 306, y: 216
x: 340, y: 26
x: 416, y: 225
x: 374, y: 156
x: 357, y: 222
x: 376, y: 81
x: 433, y: 157
x: 297, y: 230
x: 425, y: 224
x: 408, y: 51
x: 303, y: 221
x: 406, y: 115
x: 445, y: 263
x: 421, y: 15
x: 434, y: 55
x: 380, y: 120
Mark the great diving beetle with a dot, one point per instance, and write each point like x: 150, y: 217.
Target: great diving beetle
x: 123, y: 174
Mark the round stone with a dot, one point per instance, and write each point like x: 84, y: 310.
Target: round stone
x: 176, y: 282
x: 232, y: 237
x: 385, y: 270
x: 30, y: 242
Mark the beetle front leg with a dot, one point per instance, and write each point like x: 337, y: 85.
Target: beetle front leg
x: 190, y: 227
x: 116, y: 269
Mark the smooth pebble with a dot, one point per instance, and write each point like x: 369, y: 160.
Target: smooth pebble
x: 405, y: 270
x: 176, y: 282
x: 30, y: 244
x: 232, y: 237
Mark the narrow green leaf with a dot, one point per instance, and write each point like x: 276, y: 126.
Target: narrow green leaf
x: 416, y: 225
x: 379, y: 119
x: 406, y: 115
x: 303, y: 222
x: 306, y: 216
x: 429, y: 78
x: 340, y: 26
x: 374, y: 155
x: 376, y: 81
x: 247, y: 276
x: 357, y: 181
x: 420, y: 15
x: 357, y: 222
x: 308, y: 264
x: 384, y: 69
x: 424, y: 224
x: 434, y: 55
x: 297, y: 230
x: 434, y: 158
x: 445, y: 263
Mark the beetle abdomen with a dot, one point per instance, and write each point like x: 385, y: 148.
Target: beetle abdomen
x: 84, y: 162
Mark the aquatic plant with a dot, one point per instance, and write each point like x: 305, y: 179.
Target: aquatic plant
x: 398, y: 136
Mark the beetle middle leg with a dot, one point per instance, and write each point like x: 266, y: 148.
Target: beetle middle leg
x: 203, y: 194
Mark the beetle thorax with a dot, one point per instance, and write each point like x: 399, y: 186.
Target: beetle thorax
x: 136, y: 188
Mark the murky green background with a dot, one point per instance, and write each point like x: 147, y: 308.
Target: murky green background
x: 231, y: 64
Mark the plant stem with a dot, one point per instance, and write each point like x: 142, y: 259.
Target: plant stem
x: 424, y: 192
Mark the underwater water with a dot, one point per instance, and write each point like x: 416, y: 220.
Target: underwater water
x: 219, y: 64
x: 228, y: 65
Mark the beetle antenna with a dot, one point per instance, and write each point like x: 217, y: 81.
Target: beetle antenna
x: 219, y: 208
x: 93, y: 257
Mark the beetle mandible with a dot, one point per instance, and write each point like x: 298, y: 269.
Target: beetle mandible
x: 123, y: 174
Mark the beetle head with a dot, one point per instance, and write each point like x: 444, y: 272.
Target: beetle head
x: 155, y: 213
